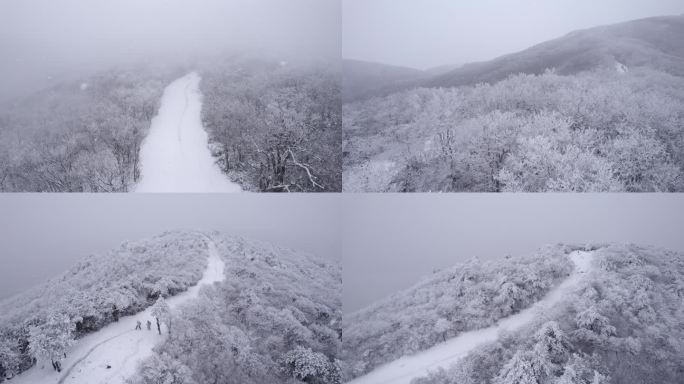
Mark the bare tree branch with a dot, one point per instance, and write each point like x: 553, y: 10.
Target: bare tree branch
x: 306, y: 167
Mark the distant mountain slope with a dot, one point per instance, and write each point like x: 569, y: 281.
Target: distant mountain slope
x: 361, y: 78
x: 442, y: 69
x: 608, y: 118
x: 656, y: 42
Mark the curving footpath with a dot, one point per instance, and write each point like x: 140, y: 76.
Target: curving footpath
x: 444, y: 355
x: 175, y: 156
x: 119, y: 345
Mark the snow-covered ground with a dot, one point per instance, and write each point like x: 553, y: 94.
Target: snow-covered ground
x: 117, y: 345
x: 405, y: 369
x: 175, y: 155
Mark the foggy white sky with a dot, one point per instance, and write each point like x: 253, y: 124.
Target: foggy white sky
x: 41, y: 38
x: 391, y: 241
x: 42, y: 235
x: 429, y: 33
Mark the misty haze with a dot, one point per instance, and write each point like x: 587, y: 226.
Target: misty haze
x: 492, y: 97
x: 170, y: 96
x: 72, y: 227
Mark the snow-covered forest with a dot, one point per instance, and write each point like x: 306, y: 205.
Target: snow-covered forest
x: 596, y: 131
x: 276, y: 126
x: 273, y: 126
x: 273, y: 315
x: 596, y: 110
x: 80, y: 136
x: 462, y: 298
x: 621, y: 323
x: 275, y: 319
x: 86, y: 88
x: 45, y: 321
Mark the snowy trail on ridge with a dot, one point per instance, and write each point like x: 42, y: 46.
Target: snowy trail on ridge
x: 175, y: 156
x: 405, y: 369
x: 118, y: 344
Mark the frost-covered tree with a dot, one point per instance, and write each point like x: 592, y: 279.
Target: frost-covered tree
x: 10, y: 360
x: 579, y: 371
x: 80, y: 140
x: 310, y: 367
x: 552, y: 347
x: 52, y: 339
x: 570, y: 376
x: 442, y: 326
x: 590, y: 319
x: 518, y: 370
x: 162, y: 314
x: 163, y: 369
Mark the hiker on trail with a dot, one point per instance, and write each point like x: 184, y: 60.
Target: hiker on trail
x: 149, y: 325
x: 139, y: 325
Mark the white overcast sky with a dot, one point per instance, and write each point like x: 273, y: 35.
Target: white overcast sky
x: 429, y: 33
x: 391, y: 241
x: 57, y: 39
x: 41, y: 235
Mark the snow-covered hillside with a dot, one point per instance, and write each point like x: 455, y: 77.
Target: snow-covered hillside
x: 617, y: 318
x: 466, y: 297
x: 250, y: 123
x: 598, y: 110
x: 112, y: 354
x: 275, y: 319
x: 83, y: 135
x: 228, y: 309
x: 175, y: 155
x: 99, y: 291
x: 443, y: 355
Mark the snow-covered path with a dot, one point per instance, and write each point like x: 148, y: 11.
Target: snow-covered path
x: 175, y: 156
x: 118, y: 345
x: 405, y: 369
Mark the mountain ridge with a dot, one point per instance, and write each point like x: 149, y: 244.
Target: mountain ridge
x: 653, y: 41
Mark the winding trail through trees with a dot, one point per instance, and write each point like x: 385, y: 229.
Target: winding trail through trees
x: 175, y: 156
x: 65, y: 375
x: 119, y: 345
x: 443, y: 355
